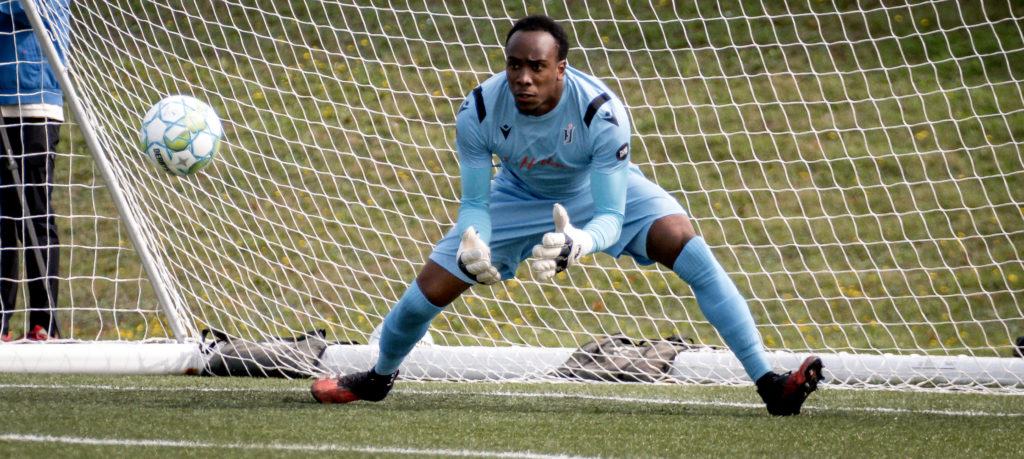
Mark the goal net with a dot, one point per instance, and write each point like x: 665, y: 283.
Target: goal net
x: 855, y: 166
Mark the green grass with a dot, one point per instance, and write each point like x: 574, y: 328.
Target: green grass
x: 242, y: 417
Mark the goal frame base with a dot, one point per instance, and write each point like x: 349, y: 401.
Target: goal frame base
x: 518, y: 363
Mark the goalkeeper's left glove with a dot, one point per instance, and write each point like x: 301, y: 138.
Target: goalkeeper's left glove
x: 560, y: 249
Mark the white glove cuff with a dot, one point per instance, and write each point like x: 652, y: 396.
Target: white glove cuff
x: 581, y: 238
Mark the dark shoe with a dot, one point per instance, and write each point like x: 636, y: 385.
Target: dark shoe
x: 366, y: 385
x: 784, y: 394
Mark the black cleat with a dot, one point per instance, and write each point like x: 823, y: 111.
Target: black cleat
x: 366, y: 385
x: 784, y: 394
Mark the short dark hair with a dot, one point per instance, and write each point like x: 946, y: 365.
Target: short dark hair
x: 546, y: 24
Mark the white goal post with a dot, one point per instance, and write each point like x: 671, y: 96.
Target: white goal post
x: 856, y: 167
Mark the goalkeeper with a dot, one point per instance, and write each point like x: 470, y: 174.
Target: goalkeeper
x: 563, y: 141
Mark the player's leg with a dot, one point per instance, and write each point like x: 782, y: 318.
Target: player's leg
x: 672, y: 241
x: 40, y: 138
x: 404, y: 326
x: 10, y: 245
x: 514, y: 227
x: 408, y: 321
x: 657, y: 229
x: 517, y: 221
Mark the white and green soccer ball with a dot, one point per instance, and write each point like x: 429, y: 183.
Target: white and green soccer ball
x: 180, y: 135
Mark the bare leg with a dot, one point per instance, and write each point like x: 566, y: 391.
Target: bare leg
x: 439, y: 286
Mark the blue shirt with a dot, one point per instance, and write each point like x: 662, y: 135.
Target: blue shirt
x: 25, y: 75
x: 581, y: 145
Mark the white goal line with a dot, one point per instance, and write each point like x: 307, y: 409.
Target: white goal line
x: 552, y: 395
x: 158, y: 442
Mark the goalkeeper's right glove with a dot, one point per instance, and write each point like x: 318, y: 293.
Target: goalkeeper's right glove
x: 562, y: 248
x: 474, y: 258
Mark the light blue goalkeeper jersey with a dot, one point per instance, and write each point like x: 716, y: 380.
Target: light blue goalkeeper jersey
x: 580, y: 146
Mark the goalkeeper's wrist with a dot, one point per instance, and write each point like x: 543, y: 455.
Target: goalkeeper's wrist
x: 585, y: 240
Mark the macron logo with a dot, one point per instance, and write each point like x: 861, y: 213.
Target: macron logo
x: 505, y: 130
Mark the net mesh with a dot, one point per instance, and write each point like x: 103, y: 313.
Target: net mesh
x: 855, y: 166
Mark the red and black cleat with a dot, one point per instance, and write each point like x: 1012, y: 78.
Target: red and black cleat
x: 784, y: 394
x: 366, y: 385
x: 38, y: 333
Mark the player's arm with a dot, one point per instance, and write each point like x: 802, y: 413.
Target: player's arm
x: 565, y: 246
x: 474, y: 206
x: 609, y: 192
x: 474, y: 220
x: 608, y: 179
x: 474, y: 255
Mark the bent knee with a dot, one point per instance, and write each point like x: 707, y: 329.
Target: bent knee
x: 667, y: 237
x: 439, y: 286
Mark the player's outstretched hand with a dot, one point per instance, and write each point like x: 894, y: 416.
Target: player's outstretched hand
x: 475, y: 258
x: 560, y: 249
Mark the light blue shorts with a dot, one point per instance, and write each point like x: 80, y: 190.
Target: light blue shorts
x: 519, y: 220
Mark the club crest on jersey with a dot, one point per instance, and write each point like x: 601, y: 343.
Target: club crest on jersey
x: 567, y: 134
x: 505, y: 129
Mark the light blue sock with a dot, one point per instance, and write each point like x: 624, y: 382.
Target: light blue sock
x: 722, y: 305
x: 404, y: 326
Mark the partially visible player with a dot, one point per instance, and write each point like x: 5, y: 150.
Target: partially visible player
x: 563, y: 139
x: 32, y: 107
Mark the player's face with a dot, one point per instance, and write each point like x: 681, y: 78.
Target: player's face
x: 534, y: 72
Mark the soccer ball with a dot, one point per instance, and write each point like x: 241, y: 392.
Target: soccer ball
x: 180, y: 135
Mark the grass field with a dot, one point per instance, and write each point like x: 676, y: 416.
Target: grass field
x: 855, y: 164
x: 94, y: 416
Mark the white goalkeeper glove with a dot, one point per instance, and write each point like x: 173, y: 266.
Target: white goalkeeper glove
x: 474, y: 258
x: 561, y: 249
